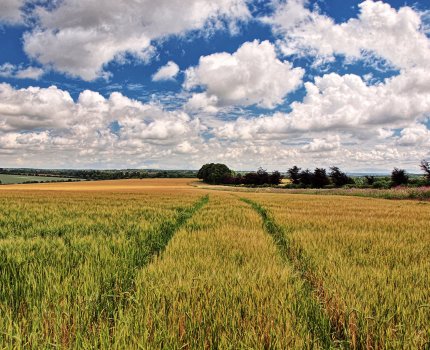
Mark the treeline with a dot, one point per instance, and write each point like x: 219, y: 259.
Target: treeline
x: 102, y: 174
x: 217, y: 174
x: 319, y: 178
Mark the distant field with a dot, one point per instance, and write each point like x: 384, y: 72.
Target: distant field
x: 416, y: 193
x: 160, y: 264
x: 18, y: 179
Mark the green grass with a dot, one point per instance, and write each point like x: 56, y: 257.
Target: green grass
x: 7, y: 179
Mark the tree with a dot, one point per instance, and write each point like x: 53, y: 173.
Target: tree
x: 320, y: 178
x: 294, y: 175
x: 275, y: 178
x: 370, y: 180
x: 399, y: 177
x: 425, y: 166
x: 263, y: 176
x: 305, y: 178
x: 214, y: 173
x: 250, y: 179
x: 338, y: 177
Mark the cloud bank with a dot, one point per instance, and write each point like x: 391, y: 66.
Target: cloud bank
x: 293, y: 99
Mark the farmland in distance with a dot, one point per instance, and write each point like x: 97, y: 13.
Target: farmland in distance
x: 19, y: 179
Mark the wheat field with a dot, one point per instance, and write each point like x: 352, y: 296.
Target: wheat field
x: 159, y: 264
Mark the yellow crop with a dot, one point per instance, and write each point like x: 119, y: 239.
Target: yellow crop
x: 158, y: 264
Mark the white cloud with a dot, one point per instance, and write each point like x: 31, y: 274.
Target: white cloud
x: 251, y: 75
x: 167, y: 72
x: 8, y: 70
x: 328, y: 144
x: 46, y: 127
x: 29, y: 73
x: 416, y: 135
x: 10, y: 11
x: 202, y: 103
x: 355, y: 122
x: 48, y: 123
x: 80, y: 38
x: 344, y: 104
x: 34, y: 108
x: 394, y: 35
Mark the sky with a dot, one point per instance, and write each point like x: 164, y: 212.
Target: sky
x: 174, y: 84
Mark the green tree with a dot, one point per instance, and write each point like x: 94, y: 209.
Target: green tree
x: 370, y: 180
x: 338, y: 177
x: 305, y: 178
x: 294, y: 175
x: 399, y: 177
x: 320, y: 178
x: 425, y: 166
x: 214, y: 173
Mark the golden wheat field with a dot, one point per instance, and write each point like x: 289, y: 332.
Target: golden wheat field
x: 160, y: 264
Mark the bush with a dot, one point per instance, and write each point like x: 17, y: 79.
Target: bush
x: 381, y: 184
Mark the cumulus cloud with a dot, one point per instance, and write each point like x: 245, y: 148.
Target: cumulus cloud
x: 344, y: 104
x: 33, y: 108
x: 46, y: 126
x: 416, y: 135
x: 357, y: 122
x: 79, y: 38
x: 46, y: 121
x: 167, y: 72
x: 10, y: 11
x: 252, y: 75
x: 397, y: 36
x: 202, y: 103
x: 8, y: 70
x: 328, y: 144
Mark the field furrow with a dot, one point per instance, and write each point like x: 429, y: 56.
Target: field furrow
x: 64, y: 282
x: 162, y: 265
x: 219, y: 284
x: 368, y: 258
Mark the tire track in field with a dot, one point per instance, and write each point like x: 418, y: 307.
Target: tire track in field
x: 326, y: 309
x: 117, y: 292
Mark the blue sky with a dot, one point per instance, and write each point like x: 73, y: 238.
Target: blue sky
x: 247, y: 83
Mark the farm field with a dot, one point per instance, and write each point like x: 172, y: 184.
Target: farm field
x: 159, y: 264
x: 19, y: 179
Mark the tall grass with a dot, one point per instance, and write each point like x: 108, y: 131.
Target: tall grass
x: 68, y: 263
x: 220, y: 284
x: 416, y: 193
x: 121, y: 265
x: 371, y: 258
